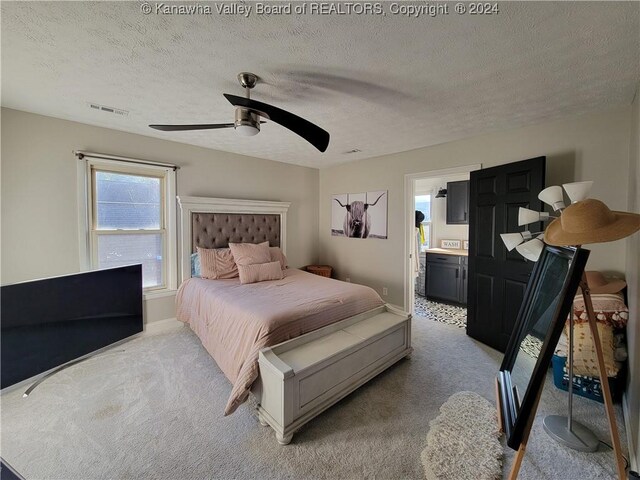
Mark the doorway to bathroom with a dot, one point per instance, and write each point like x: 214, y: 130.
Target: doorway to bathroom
x: 438, y: 239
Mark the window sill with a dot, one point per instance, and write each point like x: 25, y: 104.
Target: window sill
x: 165, y: 292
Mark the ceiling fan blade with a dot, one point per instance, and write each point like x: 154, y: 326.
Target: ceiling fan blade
x: 204, y: 126
x: 313, y: 134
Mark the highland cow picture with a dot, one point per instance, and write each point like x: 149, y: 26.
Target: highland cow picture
x: 359, y: 215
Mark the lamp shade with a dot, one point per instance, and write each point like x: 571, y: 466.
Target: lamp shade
x: 531, y: 250
x: 527, y: 216
x: 512, y: 240
x: 577, y: 191
x: 552, y: 196
x: 442, y: 193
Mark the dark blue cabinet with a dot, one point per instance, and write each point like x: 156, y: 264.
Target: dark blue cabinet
x: 458, y: 203
x: 446, y: 278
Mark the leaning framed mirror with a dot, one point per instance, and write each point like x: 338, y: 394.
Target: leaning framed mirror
x: 544, y: 310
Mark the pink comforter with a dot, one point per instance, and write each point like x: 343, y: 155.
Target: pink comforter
x: 235, y: 321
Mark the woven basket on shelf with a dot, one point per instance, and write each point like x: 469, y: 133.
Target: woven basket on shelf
x: 322, y: 270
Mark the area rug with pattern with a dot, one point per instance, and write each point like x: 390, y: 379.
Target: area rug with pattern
x: 463, y: 441
x: 440, y: 312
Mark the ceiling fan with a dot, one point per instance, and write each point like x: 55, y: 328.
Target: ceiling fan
x: 247, y: 119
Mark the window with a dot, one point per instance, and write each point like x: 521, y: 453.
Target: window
x: 423, y: 204
x: 130, y: 219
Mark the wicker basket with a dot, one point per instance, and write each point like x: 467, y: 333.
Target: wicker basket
x: 322, y: 270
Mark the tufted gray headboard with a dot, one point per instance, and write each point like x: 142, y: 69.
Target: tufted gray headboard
x: 214, y: 222
x: 217, y: 230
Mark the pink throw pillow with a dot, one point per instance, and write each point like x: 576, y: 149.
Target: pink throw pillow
x: 260, y: 272
x: 250, y: 253
x: 277, y: 255
x: 217, y: 263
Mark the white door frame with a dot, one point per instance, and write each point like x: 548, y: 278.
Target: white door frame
x: 409, y: 225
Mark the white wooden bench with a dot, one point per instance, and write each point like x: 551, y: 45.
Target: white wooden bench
x: 302, y: 377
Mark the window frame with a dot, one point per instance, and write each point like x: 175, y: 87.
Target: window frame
x: 88, y: 211
x: 429, y: 236
x: 424, y: 222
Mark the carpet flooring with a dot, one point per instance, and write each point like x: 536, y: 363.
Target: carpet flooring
x: 155, y: 411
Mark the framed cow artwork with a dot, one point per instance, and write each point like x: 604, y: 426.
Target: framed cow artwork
x: 359, y: 215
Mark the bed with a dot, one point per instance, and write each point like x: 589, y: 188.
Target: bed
x: 234, y: 321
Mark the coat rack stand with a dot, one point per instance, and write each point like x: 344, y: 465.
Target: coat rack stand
x: 604, y: 381
x: 563, y: 429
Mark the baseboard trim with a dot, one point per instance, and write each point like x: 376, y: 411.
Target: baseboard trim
x: 633, y: 460
x: 161, y: 326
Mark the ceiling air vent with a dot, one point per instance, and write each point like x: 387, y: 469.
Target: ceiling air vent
x: 104, y: 108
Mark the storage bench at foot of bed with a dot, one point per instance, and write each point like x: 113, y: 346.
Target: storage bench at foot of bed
x: 304, y: 376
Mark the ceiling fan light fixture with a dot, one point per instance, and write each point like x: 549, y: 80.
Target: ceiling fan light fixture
x: 247, y: 130
x: 246, y: 122
x: 247, y: 118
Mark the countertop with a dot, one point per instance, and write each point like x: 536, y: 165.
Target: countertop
x: 448, y: 251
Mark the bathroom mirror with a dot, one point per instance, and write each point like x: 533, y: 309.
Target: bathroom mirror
x: 544, y: 310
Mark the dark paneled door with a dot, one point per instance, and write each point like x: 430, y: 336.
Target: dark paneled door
x: 497, y: 278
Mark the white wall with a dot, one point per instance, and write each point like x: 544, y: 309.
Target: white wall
x: 632, y: 397
x: 593, y: 146
x: 39, y: 204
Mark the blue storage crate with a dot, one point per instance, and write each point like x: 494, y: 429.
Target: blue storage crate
x: 588, y: 387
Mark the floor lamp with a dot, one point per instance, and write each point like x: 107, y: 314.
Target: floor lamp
x: 585, y: 221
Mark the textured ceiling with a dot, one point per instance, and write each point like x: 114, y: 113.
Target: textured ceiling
x: 380, y: 84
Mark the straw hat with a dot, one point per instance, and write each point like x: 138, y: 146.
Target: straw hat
x: 590, y: 221
x: 599, y: 284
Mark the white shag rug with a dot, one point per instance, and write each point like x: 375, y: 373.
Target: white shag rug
x: 464, y: 440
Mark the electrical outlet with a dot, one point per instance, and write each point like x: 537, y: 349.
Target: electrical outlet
x: 385, y: 291
x: 347, y: 280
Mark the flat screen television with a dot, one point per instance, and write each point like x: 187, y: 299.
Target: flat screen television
x: 47, y: 323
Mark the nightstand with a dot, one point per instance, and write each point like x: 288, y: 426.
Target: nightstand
x: 322, y: 270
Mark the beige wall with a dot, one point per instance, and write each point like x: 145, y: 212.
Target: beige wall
x: 593, y: 146
x: 39, y: 203
x: 633, y: 285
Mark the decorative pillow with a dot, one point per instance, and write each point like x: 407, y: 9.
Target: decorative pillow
x: 195, y: 265
x: 250, y: 253
x: 217, y: 263
x: 608, y: 307
x: 585, y: 361
x: 277, y: 255
x: 260, y: 272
